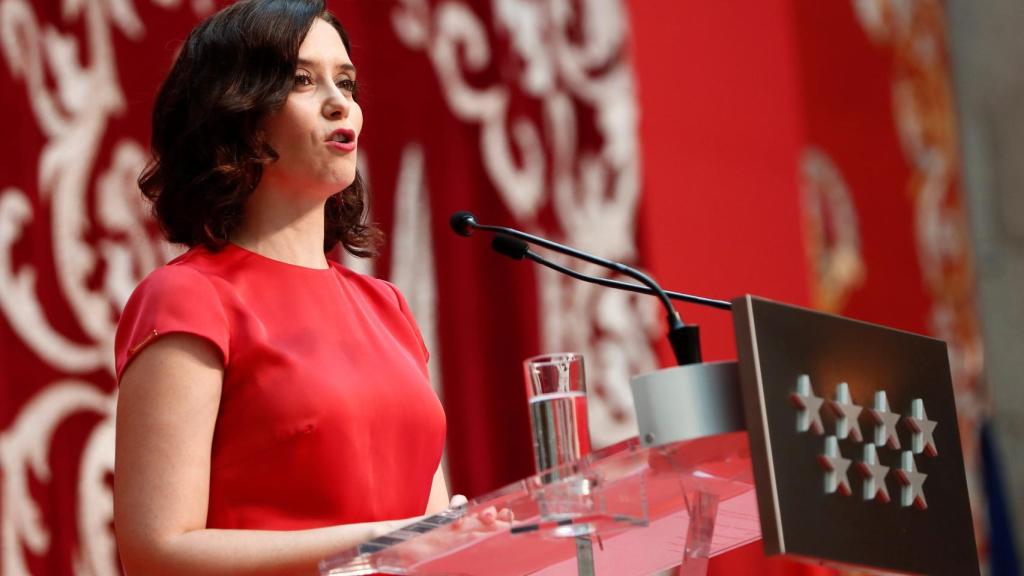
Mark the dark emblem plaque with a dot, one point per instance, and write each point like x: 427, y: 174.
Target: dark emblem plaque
x: 854, y: 441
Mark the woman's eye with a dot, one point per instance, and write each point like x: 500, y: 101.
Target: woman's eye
x: 348, y: 85
x: 303, y: 80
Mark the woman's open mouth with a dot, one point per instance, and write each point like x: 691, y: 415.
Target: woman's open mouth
x: 342, y: 139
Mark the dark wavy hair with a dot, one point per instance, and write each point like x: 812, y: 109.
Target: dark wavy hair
x: 235, y: 68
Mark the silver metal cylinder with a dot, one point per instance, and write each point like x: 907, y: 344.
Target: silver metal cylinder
x: 687, y: 402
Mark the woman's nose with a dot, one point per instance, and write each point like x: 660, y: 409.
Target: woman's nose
x: 337, y: 105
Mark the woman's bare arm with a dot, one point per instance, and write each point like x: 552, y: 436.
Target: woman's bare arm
x: 438, y: 493
x: 167, y: 407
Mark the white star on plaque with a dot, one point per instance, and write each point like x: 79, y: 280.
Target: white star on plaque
x: 836, y: 467
x: 809, y: 405
x: 874, y: 475
x: 885, y: 422
x: 923, y: 439
x: 912, y: 491
x: 846, y: 414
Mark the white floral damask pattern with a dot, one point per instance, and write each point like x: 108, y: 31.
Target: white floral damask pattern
x: 593, y: 191
x: 72, y: 113
x: 925, y: 119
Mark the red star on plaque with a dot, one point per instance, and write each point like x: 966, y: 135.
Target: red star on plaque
x: 874, y: 475
x: 846, y: 413
x: 809, y: 406
x: 923, y: 429
x: 885, y: 422
x: 912, y: 491
x: 836, y: 467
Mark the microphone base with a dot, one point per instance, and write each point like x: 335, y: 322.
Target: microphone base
x: 688, y: 402
x: 685, y: 341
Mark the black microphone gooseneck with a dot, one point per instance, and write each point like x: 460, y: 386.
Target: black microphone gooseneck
x: 516, y: 249
x: 684, y: 339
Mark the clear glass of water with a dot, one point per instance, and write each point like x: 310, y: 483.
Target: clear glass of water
x: 557, y: 395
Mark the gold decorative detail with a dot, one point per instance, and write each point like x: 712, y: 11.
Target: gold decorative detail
x: 831, y: 232
x: 149, y: 338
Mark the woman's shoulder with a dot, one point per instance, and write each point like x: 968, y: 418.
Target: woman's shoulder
x: 186, y: 274
x: 190, y: 280
x: 180, y: 296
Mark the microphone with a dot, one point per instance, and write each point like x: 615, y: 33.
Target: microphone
x: 684, y: 339
x: 462, y: 223
x: 506, y: 245
x: 517, y: 250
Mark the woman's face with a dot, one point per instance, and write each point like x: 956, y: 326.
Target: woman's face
x: 316, y: 132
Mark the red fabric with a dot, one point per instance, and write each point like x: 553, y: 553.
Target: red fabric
x: 312, y: 384
x: 750, y: 559
x: 727, y: 193
x: 721, y: 135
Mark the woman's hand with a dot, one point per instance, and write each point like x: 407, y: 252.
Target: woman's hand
x: 489, y: 519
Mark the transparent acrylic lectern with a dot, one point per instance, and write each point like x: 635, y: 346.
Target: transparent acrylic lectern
x: 623, y: 510
x: 849, y: 428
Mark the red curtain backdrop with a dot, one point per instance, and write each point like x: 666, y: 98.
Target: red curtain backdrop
x: 806, y: 151
x: 790, y: 148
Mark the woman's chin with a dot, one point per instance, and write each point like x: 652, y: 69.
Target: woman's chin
x: 342, y: 184
x: 340, y: 181
x: 328, y: 187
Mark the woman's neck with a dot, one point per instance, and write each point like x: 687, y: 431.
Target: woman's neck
x: 283, y: 227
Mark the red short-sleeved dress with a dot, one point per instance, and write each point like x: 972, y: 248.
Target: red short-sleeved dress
x: 326, y: 415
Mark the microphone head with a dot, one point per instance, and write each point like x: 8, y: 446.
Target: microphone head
x: 508, y: 246
x: 462, y: 223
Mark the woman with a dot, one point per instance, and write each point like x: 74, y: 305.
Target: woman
x: 274, y: 407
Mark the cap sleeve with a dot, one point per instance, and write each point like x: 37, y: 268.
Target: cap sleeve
x: 404, y: 307
x: 172, y: 299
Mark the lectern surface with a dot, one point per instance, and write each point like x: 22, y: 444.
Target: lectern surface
x: 631, y: 504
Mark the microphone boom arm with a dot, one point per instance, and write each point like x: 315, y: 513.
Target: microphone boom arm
x: 620, y: 268
x: 685, y: 340
x: 609, y: 283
